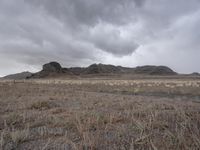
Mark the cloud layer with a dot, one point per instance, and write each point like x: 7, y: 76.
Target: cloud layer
x: 81, y: 32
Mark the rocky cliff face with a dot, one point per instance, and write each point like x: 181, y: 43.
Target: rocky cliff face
x: 49, y: 70
x: 52, y: 67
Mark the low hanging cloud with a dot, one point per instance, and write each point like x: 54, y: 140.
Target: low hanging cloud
x: 81, y: 32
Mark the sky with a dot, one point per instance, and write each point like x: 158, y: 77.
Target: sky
x: 81, y: 32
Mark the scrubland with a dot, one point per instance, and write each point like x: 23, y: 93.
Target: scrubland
x: 91, y: 114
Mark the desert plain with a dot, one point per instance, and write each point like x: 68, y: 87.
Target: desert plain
x: 100, y: 114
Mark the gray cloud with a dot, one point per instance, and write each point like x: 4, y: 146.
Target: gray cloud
x: 90, y: 12
x: 111, y: 39
x: 81, y: 32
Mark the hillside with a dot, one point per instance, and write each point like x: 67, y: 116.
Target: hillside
x: 18, y: 76
x: 154, y: 70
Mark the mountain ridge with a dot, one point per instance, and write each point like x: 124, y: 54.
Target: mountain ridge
x: 54, y: 69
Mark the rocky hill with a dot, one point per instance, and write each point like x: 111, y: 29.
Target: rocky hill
x: 51, y: 69
x: 101, y: 68
x: 54, y: 69
x: 154, y: 70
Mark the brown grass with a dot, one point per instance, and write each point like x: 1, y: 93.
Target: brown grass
x: 100, y: 114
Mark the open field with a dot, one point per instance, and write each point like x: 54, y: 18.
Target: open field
x: 97, y: 114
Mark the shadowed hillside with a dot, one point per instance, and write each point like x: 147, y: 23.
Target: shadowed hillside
x: 22, y: 75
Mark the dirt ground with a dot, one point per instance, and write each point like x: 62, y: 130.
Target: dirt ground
x: 86, y: 114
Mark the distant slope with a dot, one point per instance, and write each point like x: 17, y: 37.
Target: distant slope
x: 154, y: 70
x: 195, y: 74
x: 18, y: 76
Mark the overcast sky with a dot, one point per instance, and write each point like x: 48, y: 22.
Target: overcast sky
x: 82, y: 32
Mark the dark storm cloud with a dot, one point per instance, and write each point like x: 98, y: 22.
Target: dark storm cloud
x: 80, y: 32
x: 80, y: 16
x: 90, y: 12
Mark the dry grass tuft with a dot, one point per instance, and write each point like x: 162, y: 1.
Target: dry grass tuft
x: 20, y: 136
x: 43, y: 105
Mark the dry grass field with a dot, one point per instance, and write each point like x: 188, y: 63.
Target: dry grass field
x: 150, y: 114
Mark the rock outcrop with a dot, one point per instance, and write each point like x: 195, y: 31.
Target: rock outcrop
x: 52, y: 67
